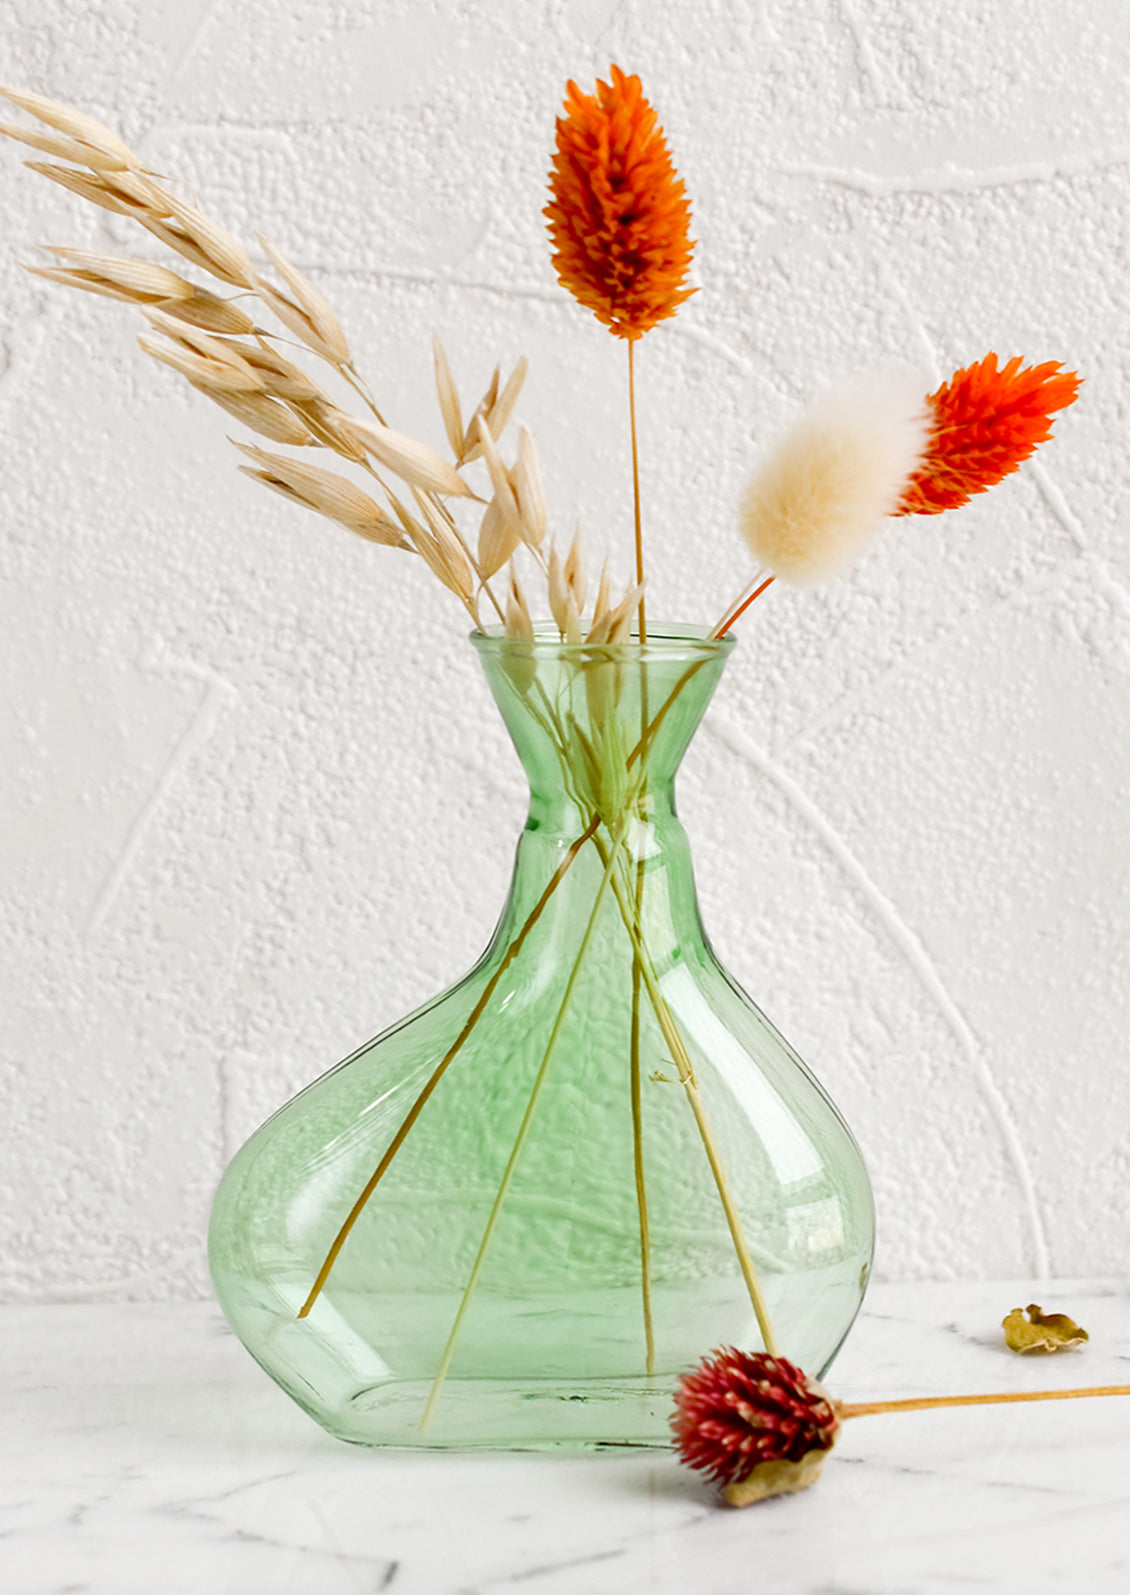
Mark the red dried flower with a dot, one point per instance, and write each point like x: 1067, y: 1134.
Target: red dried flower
x: 739, y: 1409
x: 619, y: 218
x: 985, y: 423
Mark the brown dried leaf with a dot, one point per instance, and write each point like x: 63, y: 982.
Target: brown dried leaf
x: 80, y: 279
x: 500, y: 482
x: 497, y: 540
x: 502, y: 408
x: 202, y: 369
x: 325, y: 328
x: 140, y: 278
x: 529, y: 492
x: 472, y: 447
x: 324, y: 491
x: 576, y: 570
x: 780, y: 1477
x: 518, y: 623
x: 418, y: 465
x: 1040, y: 1331
x: 66, y: 119
x: 98, y: 190
x: 209, y: 312
x: 329, y: 425
x: 64, y: 148
x: 282, y: 378
x: 260, y: 414
x: 448, y: 399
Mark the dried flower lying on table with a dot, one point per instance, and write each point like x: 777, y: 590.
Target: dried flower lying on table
x: 760, y: 1427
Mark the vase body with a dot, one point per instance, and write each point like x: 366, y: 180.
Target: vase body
x: 569, y: 1177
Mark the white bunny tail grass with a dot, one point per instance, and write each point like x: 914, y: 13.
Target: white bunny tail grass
x: 827, y: 487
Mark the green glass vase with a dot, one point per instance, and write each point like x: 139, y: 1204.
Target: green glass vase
x: 514, y: 1218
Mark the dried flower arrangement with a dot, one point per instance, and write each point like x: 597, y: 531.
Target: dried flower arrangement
x: 868, y: 450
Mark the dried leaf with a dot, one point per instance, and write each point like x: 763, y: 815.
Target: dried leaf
x: 282, y: 378
x: 227, y: 259
x: 558, y: 591
x: 76, y: 123
x: 208, y: 311
x: 779, y: 1477
x: 497, y: 540
x: 101, y: 191
x: 265, y: 416
x: 472, y: 448
x: 576, y: 570
x: 518, y: 623
x: 499, y: 480
x: 603, y: 603
x: 64, y: 148
x: 1040, y: 1331
x: 225, y: 351
x: 448, y: 399
x: 502, y: 408
x: 415, y: 463
x: 620, y: 620
x: 324, y: 491
x: 329, y: 425
x: 81, y: 279
x: 529, y: 492
x: 325, y: 327
x: 202, y: 369
x: 140, y: 278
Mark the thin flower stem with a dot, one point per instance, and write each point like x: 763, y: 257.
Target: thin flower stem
x: 637, y: 1139
x: 441, y: 1068
x: 865, y: 1409
x: 734, y: 614
x: 690, y: 1085
x: 520, y: 1139
x: 636, y: 483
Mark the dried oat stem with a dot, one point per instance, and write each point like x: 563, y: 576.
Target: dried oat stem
x: 637, y: 1139
x: 689, y: 1083
x: 440, y: 1070
x: 865, y: 1409
x: 523, y: 1132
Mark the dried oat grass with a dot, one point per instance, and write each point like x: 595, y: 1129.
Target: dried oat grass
x: 225, y: 348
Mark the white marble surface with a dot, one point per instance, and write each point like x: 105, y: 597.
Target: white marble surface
x: 143, y: 1452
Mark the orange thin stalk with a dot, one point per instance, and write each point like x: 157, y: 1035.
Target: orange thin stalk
x: 441, y: 1068
x: 636, y: 490
x: 865, y: 1409
x: 727, y: 621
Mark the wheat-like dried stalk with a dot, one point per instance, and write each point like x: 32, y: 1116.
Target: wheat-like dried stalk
x: 220, y: 349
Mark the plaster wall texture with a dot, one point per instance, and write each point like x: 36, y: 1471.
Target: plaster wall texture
x: 256, y: 803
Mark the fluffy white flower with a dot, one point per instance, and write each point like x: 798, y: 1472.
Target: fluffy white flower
x: 840, y: 470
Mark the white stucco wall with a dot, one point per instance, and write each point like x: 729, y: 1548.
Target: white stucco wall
x: 256, y: 804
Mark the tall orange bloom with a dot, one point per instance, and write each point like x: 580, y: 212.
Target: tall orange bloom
x: 985, y: 423
x: 619, y: 217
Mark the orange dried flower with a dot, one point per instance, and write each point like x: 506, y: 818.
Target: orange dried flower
x: 620, y: 217
x: 985, y: 423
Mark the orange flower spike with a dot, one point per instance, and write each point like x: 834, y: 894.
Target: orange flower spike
x: 619, y: 216
x: 986, y: 421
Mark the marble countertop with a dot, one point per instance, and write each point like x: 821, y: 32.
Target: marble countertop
x: 144, y: 1453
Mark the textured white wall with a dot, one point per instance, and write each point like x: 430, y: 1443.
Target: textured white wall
x: 256, y: 804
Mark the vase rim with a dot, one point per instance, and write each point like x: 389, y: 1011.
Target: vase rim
x: 665, y: 640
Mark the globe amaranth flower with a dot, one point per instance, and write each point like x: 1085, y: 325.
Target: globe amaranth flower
x: 756, y: 1424
x: 985, y: 422
x: 619, y: 216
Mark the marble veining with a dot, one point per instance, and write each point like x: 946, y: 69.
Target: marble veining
x: 143, y: 1451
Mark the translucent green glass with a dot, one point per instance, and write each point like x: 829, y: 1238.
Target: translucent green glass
x: 514, y: 1218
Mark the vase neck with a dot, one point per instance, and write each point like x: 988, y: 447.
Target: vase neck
x: 601, y: 731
